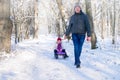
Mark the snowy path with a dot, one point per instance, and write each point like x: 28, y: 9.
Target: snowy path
x: 34, y: 60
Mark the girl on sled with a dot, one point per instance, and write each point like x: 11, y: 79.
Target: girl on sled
x: 59, y: 50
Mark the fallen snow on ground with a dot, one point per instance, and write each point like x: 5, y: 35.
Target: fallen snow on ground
x: 34, y: 60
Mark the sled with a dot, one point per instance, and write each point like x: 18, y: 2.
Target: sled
x: 60, y: 54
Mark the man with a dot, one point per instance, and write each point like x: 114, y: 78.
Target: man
x: 78, y: 26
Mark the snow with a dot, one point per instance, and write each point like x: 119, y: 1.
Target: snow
x: 34, y: 60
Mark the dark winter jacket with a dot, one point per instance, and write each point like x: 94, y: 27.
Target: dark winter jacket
x: 79, y: 24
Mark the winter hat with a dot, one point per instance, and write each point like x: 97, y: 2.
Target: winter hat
x: 59, y: 39
x: 77, y: 5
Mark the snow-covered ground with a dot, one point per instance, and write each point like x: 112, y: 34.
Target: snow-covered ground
x: 34, y: 60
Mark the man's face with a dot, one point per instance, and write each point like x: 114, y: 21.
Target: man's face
x: 77, y: 9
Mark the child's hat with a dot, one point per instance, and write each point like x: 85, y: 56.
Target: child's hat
x: 59, y: 39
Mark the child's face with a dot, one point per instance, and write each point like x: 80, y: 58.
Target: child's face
x: 59, y: 41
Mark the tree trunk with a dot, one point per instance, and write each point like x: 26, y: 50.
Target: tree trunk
x: 78, y: 1
x: 58, y: 28
x: 35, y: 33
x: 102, y: 20
x: 89, y: 13
x: 113, y: 26
x: 59, y: 3
x: 5, y: 26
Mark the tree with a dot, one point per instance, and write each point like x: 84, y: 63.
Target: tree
x: 5, y: 26
x: 35, y: 28
x: 114, y: 23
x: 23, y: 13
x: 89, y: 13
x: 61, y: 14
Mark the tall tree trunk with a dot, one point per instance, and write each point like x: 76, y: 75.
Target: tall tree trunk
x: 102, y: 20
x: 59, y: 3
x: 113, y: 26
x: 78, y: 1
x: 27, y: 30
x: 58, y: 28
x: 5, y: 26
x: 89, y: 13
x: 35, y: 33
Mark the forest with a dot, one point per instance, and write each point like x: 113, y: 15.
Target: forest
x: 25, y: 19
x: 29, y: 29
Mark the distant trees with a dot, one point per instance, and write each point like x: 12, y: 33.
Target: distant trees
x: 24, y: 16
x: 21, y: 16
x: 32, y: 16
x: 106, y: 19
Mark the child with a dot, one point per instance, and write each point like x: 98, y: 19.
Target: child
x: 59, y: 49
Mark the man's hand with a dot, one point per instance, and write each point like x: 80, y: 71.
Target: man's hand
x: 88, y: 38
x: 65, y: 37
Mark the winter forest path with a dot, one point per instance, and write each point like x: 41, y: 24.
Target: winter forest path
x: 34, y: 60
